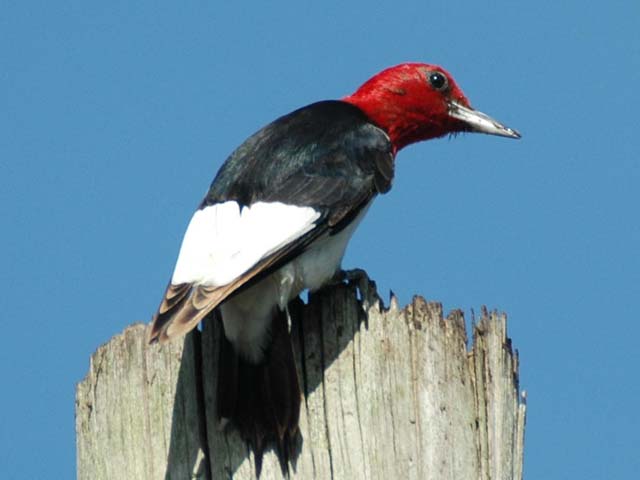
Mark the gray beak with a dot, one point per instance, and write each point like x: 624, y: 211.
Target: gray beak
x: 480, y: 122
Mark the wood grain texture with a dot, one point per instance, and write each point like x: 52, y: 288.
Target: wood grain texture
x: 394, y: 393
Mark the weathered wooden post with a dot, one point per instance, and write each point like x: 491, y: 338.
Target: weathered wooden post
x: 394, y: 393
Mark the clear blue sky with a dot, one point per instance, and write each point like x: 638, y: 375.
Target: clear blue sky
x: 114, y: 117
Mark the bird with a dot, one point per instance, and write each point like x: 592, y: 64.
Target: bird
x: 276, y: 221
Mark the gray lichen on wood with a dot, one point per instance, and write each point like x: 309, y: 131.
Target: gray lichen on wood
x: 394, y: 393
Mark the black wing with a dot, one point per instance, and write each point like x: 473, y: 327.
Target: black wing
x: 327, y: 155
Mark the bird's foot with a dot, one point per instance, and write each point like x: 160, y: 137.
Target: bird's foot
x: 366, y: 287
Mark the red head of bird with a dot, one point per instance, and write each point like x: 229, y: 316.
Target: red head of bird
x: 417, y: 101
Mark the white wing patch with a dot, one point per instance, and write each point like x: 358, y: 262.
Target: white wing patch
x: 223, y: 241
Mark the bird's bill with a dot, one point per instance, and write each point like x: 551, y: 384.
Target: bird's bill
x: 479, y: 122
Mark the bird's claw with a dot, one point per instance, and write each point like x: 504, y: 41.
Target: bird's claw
x: 368, y: 292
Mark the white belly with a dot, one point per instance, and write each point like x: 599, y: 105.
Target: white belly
x: 247, y: 316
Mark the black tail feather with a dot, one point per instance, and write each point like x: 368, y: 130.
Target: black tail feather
x: 263, y: 400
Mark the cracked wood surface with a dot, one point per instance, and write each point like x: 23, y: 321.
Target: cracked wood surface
x: 391, y: 394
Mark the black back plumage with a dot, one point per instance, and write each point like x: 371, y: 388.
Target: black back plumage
x: 327, y: 155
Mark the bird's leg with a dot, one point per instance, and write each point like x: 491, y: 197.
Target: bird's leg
x: 367, y: 287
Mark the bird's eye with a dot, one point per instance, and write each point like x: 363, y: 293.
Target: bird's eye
x: 438, y: 81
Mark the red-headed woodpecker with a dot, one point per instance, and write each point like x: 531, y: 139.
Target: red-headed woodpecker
x: 277, y: 218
